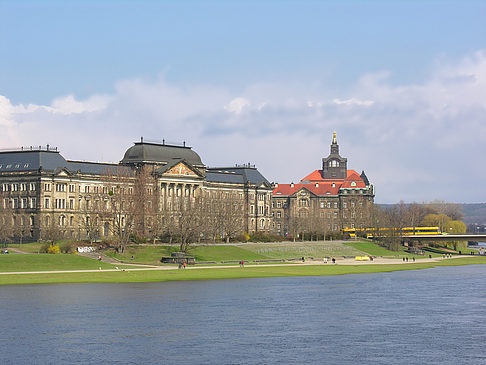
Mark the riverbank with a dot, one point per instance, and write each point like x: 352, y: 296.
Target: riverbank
x: 171, y: 273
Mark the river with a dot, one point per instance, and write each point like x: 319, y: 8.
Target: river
x: 407, y: 317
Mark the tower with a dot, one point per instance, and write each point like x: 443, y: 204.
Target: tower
x: 334, y: 166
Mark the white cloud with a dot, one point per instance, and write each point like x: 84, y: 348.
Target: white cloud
x: 352, y: 101
x: 69, y: 105
x: 237, y: 105
x: 415, y: 141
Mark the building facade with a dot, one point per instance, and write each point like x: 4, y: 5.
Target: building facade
x: 155, y: 188
x: 325, y: 201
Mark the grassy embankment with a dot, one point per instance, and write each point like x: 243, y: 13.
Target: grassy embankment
x: 227, y: 272
x: 47, y: 262
x: 247, y: 252
x: 262, y: 251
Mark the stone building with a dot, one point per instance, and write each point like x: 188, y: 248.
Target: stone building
x: 325, y: 201
x: 40, y: 189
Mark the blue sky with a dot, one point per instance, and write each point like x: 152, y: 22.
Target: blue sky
x: 402, y: 82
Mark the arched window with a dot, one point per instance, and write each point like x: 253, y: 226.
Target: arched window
x: 334, y: 163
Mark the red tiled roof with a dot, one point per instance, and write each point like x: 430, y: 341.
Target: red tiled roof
x: 316, y: 176
x: 324, y: 186
x: 321, y: 189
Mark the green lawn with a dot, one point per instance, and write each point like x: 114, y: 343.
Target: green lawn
x: 247, y: 252
x: 47, y: 262
x: 28, y: 247
x: 289, y: 250
x: 225, y: 273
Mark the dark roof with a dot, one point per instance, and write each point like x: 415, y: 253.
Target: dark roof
x: 249, y: 174
x: 160, y: 153
x: 222, y: 177
x: 13, y: 161
x: 30, y: 161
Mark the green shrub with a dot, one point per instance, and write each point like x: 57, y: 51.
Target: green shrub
x: 68, y: 247
x: 53, y: 249
x: 265, y: 237
x: 44, y: 248
x: 244, y: 237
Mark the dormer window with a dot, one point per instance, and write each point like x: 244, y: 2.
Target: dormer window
x: 334, y: 163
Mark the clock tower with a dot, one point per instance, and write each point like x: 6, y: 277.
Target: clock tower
x: 334, y: 166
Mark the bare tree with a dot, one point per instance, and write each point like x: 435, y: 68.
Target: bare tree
x: 118, y: 210
x: 6, y: 224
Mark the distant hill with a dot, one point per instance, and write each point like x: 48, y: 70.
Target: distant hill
x: 474, y: 213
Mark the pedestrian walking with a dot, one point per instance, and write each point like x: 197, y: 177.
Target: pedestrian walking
x: 184, y: 264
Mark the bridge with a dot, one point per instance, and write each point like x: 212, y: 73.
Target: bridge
x: 445, y: 237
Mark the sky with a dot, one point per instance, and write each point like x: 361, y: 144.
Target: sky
x: 403, y: 84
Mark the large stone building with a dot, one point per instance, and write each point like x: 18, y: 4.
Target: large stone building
x: 154, y: 185
x: 325, y: 201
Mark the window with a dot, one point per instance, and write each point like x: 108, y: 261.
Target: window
x: 32, y: 221
x: 345, y: 205
x: 335, y: 214
x: 24, y: 203
x: 60, y: 187
x: 252, y: 209
x: 71, y: 203
x: 279, y: 214
x: 279, y: 204
x: 46, y: 203
x: 352, y: 204
x: 86, y: 188
x: 262, y: 223
x: 71, y: 221
x: 60, y: 203
x: 72, y: 188
x: 47, y: 187
x: 335, y: 205
x: 329, y: 204
x: 322, y: 205
x: 32, y: 187
x: 23, y: 187
x: 33, y: 203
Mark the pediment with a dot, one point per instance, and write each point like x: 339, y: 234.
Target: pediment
x: 181, y: 169
x: 62, y: 172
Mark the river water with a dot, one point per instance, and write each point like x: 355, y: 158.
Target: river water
x: 410, y: 317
